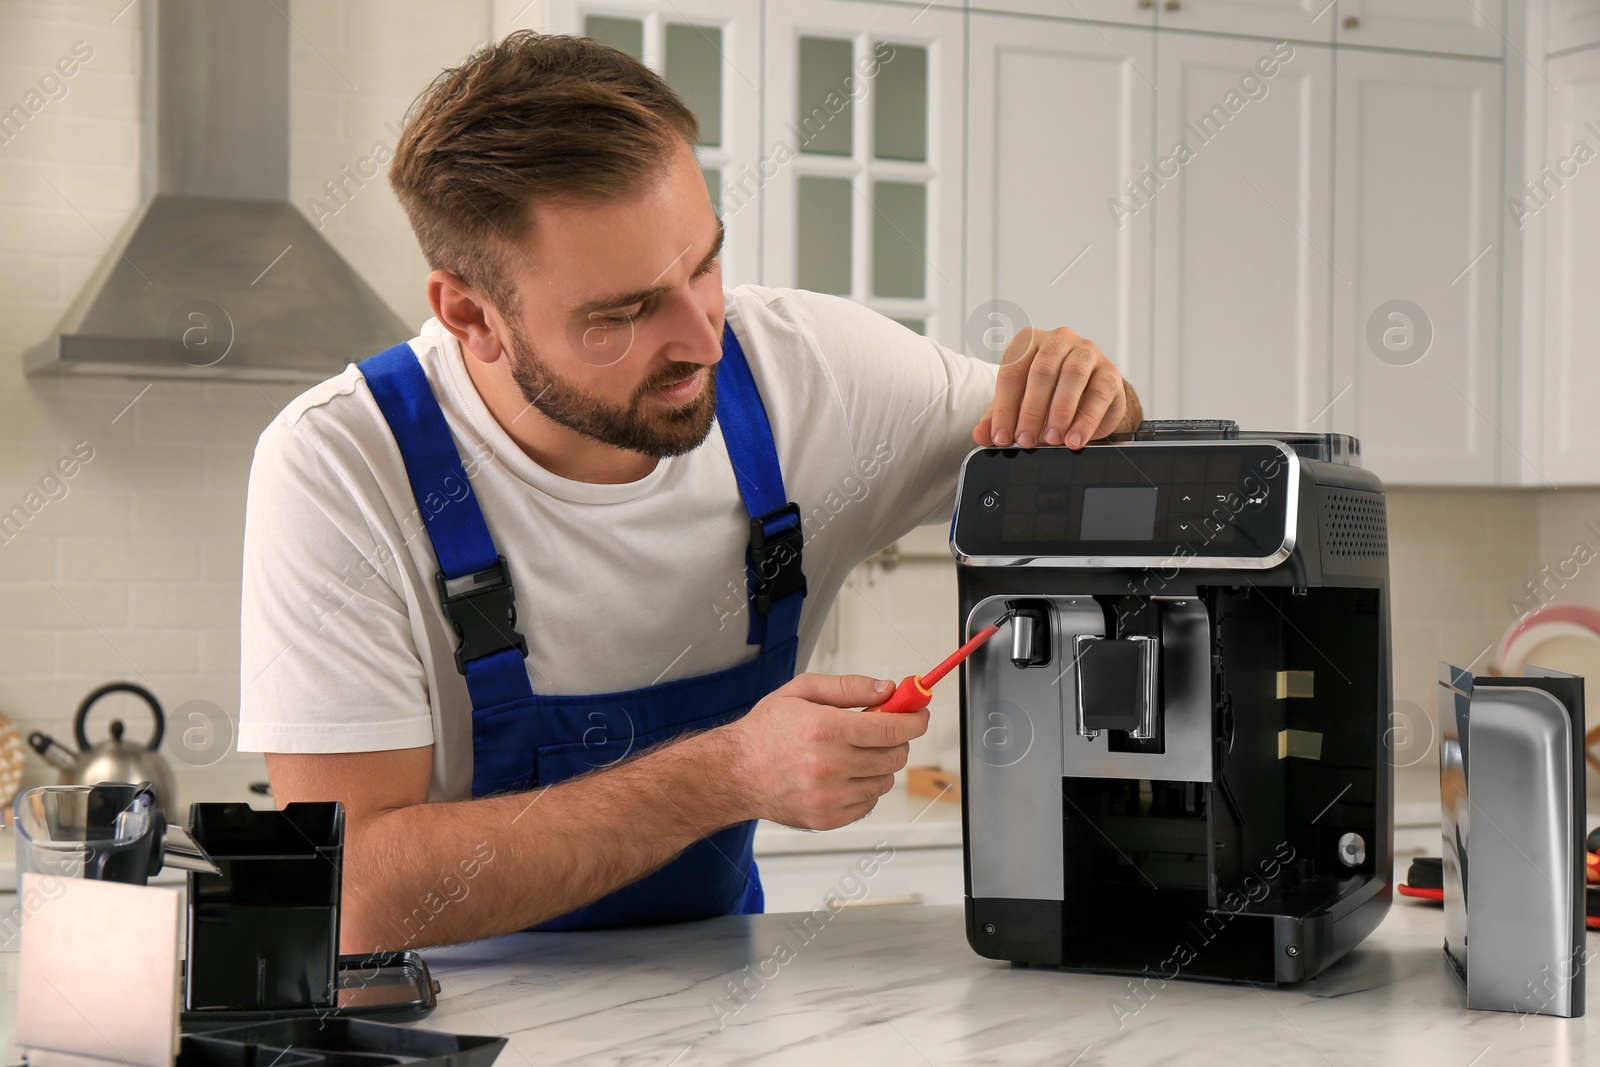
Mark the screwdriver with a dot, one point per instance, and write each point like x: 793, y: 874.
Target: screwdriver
x: 913, y: 693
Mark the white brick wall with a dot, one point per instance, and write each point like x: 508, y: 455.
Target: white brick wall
x: 134, y: 574
x: 358, y: 64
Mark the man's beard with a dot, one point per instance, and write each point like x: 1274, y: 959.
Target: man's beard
x: 650, y: 427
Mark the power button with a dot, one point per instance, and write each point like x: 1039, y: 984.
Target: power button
x: 990, y: 500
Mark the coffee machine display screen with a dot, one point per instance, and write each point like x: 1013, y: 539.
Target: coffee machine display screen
x: 1140, y: 501
x: 1118, y: 513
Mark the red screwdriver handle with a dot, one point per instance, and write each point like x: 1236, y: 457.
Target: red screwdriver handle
x: 909, y: 695
x: 913, y: 694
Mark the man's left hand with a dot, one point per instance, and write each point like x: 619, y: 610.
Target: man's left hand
x: 1054, y: 388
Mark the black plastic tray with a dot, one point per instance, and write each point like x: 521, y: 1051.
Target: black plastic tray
x: 335, y: 1042
x: 391, y: 986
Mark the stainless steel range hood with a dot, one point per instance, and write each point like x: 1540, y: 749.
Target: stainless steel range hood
x: 218, y: 275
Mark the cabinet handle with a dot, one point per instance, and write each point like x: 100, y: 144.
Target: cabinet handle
x: 1173, y: 5
x: 1351, y: 22
x: 1146, y: 5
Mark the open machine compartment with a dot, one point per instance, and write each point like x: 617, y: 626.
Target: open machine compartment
x: 1219, y: 878
x: 1213, y: 873
x: 1299, y: 752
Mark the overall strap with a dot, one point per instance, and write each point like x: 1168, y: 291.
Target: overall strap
x: 474, y: 583
x: 773, y: 576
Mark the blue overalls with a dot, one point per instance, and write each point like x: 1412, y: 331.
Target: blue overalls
x: 522, y: 739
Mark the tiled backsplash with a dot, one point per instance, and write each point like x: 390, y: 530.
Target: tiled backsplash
x: 129, y: 567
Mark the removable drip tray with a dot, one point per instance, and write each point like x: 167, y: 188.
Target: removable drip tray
x: 391, y: 986
x: 335, y: 1042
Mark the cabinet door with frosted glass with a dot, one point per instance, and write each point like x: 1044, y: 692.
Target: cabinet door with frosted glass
x: 709, y: 51
x: 1060, y: 131
x: 861, y: 170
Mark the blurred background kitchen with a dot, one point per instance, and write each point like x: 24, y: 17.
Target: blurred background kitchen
x: 1383, y: 223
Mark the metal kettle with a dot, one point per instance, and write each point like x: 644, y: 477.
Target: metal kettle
x: 114, y: 760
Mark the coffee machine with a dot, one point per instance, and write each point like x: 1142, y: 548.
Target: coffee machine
x: 1177, y: 761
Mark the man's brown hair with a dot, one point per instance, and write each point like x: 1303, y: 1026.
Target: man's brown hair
x: 532, y: 117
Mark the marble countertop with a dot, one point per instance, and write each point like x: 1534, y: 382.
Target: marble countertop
x: 898, y: 985
x: 895, y: 985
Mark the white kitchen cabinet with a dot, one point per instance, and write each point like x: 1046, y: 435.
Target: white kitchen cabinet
x: 1417, y: 194
x: 710, y: 52
x: 1253, y: 281
x: 1571, y: 24
x: 1567, y: 211
x: 1061, y: 124
x: 1243, y: 232
x: 1123, y: 12
x: 907, y: 850
x: 1292, y: 20
x: 804, y: 881
x: 863, y: 103
x: 1458, y: 27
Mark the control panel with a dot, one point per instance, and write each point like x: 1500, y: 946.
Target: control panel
x: 1134, y: 503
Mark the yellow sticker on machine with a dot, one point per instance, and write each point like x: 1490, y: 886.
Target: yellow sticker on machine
x: 1301, y: 744
x: 1297, y: 684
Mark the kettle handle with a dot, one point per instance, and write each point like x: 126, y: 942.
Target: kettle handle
x: 54, y: 752
x: 119, y: 687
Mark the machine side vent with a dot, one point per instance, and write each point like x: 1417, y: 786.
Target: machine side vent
x: 1354, y: 524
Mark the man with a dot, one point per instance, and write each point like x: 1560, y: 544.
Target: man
x: 592, y: 432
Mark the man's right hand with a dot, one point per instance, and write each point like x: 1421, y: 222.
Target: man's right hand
x: 801, y: 758
x: 797, y: 757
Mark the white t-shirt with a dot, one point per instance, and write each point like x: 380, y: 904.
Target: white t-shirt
x: 346, y: 647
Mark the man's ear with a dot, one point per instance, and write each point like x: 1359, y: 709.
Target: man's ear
x: 467, y: 314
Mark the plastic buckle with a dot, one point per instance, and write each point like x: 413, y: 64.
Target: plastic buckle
x: 775, y: 560
x: 482, y: 606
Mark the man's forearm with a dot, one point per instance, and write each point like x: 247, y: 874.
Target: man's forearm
x: 430, y: 874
